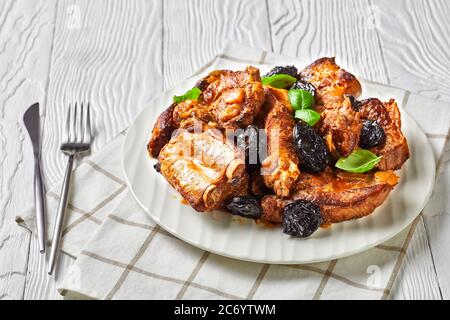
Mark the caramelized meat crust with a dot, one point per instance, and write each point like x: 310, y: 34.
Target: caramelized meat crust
x: 395, y: 150
x: 341, y: 196
x: 340, y: 125
x: 280, y: 168
x: 162, y: 131
x: 331, y: 81
x: 203, y: 167
x: 231, y: 99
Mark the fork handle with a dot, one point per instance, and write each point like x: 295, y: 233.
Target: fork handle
x: 57, y: 230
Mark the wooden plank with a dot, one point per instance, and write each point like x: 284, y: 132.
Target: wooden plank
x: 107, y: 53
x: 350, y: 31
x: 26, y: 29
x: 196, y: 30
x: 418, y: 58
x: 414, y: 38
x: 39, y: 286
x: 417, y: 269
x: 313, y: 29
x: 437, y: 222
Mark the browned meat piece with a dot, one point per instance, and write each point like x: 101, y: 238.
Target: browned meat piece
x: 395, y: 151
x: 273, y: 209
x: 229, y: 98
x: 340, y: 125
x: 280, y: 168
x: 203, y: 167
x: 341, y: 196
x: 257, y: 186
x: 331, y: 81
x: 162, y: 131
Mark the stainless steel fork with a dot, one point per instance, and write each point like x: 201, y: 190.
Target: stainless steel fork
x: 76, y: 139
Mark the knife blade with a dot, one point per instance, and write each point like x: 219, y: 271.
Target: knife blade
x: 31, y: 120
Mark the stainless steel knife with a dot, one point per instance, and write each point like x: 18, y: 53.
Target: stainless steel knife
x: 31, y: 120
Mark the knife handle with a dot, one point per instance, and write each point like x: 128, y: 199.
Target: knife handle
x: 40, y: 205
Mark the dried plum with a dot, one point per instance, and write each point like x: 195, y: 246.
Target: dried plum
x: 301, y: 218
x: 372, y: 135
x: 305, y: 85
x: 289, y: 70
x: 312, y: 150
x: 245, y: 206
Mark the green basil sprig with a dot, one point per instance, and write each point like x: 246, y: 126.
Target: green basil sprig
x: 280, y: 81
x: 359, y: 161
x: 301, y: 99
x: 302, y: 102
x: 309, y: 116
x: 192, y: 94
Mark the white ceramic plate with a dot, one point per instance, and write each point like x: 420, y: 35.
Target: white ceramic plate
x: 240, y: 238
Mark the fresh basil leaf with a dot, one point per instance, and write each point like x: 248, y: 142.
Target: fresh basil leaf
x: 359, y: 161
x: 301, y: 99
x: 309, y: 116
x: 280, y: 81
x: 192, y: 94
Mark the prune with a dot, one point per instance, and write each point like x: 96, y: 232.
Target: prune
x: 301, y: 218
x: 289, y: 70
x: 355, y: 104
x: 313, y: 153
x: 305, y: 85
x: 372, y: 134
x: 202, y: 84
x: 245, y: 206
x: 248, y: 141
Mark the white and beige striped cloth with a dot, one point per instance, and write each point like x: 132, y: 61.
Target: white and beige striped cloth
x: 119, y: 252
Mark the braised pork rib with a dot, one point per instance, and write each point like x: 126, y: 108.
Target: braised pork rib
x: 394, y: 151
x: 203, y: 166
x: 280, y: 168
x: 229, y: 99
x: 341, y: 196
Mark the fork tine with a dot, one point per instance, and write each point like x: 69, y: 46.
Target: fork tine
x: 66, y: 128
x: 80, y: 137
x: 73, y: 121
x: 87, y: 124
x: 79, y: 123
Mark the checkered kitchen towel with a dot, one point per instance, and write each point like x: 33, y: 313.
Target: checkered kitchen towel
x: 119, y: 252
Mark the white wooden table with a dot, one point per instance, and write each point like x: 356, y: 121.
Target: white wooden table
x: 118, y: 54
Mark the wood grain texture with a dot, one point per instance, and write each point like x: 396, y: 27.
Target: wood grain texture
x: 417, y: 271
x: 118, y: 54
x: 418, y: 59
x: 437, y: 223
x: 414, y: 39
x: 350, y: 31
x: 107, y: 53
x: 39, y: 286
x: 25, y: 38
x: 315, y: 29
x: 196, y: 30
